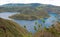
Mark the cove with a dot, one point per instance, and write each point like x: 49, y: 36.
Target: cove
x: 30, y: 24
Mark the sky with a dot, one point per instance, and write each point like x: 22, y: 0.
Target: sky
x: 53, y: 2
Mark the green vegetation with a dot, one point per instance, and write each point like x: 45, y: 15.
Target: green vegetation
x: 53, y: 31
x: 35, y: 28
x: 12, y: 29
x: 42, y: 20
x: 27, y: 9
x: 39, y: 26
x: 36, y: 23
x: 24, y: 26
x: 28, y: 12
x: 24, y: 17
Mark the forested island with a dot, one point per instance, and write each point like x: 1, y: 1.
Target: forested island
x: 16, y: 25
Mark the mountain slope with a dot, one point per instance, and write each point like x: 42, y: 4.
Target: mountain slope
x: 11, y: 29
x: 29, y: 8
x: 21, y: 4
x: 53, y: 31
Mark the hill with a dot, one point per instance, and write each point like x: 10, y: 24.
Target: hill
x: 29, y: 8
x: 24, y: 17
x: 53, y: 31
x: 11, y: 29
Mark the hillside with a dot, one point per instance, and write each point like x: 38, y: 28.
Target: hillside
x: 37, y: 9
x: 53, y: 31
x: 29, y: 8
x: 11, y: 29
x: 24, y: 17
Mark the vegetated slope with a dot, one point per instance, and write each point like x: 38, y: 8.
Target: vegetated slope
x: 11, y: 29
x: 53, y: 31
x: 18, y: 7
x: 24, y: 17
x: 30, y: 9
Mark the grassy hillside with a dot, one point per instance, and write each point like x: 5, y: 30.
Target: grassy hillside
x: 29, y: 8
x: 53, y: 31
x: 24, y: 17
x: 12, y: 29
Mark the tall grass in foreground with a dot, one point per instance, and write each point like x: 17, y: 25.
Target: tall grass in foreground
x: 11, y: 29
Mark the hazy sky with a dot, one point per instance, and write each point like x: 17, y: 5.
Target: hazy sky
x: 53, y: 2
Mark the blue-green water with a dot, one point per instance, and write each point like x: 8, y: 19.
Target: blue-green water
x: 30, y: 24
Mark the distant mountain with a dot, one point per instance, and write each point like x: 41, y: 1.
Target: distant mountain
x: 29, y: 8
x: 30, y: 4
x: 18, y: 4
x: 11, y: 29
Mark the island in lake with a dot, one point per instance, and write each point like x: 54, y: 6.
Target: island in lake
x: 15, y: 20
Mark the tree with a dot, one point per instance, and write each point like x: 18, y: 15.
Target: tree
x: 24, y: 26
x: 35, y: 28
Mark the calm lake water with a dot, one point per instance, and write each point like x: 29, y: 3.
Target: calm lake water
x: 30, y: 24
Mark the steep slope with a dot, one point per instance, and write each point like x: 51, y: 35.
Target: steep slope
x: 11, y: 29
x: 53, y: 31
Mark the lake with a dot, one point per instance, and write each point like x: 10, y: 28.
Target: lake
x: 30, y: 24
